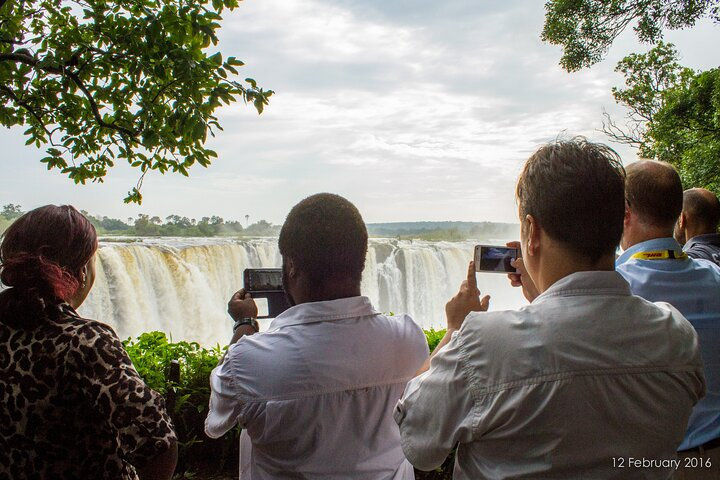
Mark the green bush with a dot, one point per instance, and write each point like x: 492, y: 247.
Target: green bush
x: 151, y: 354
x: 433, y: 337
x: 200, y: 456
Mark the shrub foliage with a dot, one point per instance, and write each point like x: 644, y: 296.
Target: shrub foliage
x: 152, y: 354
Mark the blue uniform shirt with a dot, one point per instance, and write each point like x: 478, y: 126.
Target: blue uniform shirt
x: 693, y: 287
x: 705, y: 246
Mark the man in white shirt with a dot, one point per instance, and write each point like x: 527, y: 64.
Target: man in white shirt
x: 316, y: 391
x: 588, y: 381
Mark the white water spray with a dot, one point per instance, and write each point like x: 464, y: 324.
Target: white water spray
x: 182, y: 286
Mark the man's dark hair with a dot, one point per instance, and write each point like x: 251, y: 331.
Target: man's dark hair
x: 326, y: 238
x: 702, y: 207
x: 653, y: 191
x: 575, y: 191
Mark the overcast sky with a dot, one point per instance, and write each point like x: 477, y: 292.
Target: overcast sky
x: 414, y: 110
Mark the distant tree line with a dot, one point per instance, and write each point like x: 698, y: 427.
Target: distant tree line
x: 178, y: 226
x: 173, y: 226
x: 439, y: 231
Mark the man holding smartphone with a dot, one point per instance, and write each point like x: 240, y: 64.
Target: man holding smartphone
x: 316, y: 391
x: 580, y: 381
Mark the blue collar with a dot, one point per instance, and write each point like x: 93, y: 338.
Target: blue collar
x: 665, y: 243
x: 705, y: 239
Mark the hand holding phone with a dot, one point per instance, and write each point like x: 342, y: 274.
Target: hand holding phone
x: 267, y: 283
x: 521, y: 278
x: 241, y: 305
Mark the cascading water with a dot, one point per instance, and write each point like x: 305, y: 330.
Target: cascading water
x: 182, y: 286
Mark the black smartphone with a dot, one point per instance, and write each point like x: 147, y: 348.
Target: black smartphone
x: 494, y: 258
x: 263, y: 280
x: 267, y: 283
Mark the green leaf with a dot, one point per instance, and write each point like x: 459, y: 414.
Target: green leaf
x: 119, y: 80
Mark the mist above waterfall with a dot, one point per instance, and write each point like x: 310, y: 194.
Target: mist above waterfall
x: 181, y: 286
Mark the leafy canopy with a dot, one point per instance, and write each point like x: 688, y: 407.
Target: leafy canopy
x: 587, y: 28
x: 647, y: 77
x: 100, y: 80
x: 686, y: 130
x: 673, y: 114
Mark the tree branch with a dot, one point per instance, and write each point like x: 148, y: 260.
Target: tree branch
x: 94, y: 106
x: 162, y: 90
x: 28, y: 59
x: 610, y: 128
x: 27, y: 107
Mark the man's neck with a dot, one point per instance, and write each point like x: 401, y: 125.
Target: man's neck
x: 642, y: 233
x: 557, y: 263
x: 694, y: 232
x: 332, y: 291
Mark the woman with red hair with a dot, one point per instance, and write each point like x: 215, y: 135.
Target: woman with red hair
x: 71, y: 404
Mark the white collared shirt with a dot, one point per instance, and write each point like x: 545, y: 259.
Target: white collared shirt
x: 574, y: 385
x: 315, y: 392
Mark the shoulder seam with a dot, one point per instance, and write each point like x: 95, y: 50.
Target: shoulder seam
x: 559, y: 376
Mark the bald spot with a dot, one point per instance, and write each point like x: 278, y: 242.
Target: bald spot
x: 701, y: 207
x: 654, y: 192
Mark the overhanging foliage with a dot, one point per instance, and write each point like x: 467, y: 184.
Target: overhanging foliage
x: 97, y: 81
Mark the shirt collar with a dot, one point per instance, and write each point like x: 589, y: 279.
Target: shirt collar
x: 665, y: 243
x: 707, y: 239
x: 329, y: 310
x: 587, y: 283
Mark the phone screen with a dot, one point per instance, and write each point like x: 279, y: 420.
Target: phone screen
x: 491, y: 258
x: 263, y: 279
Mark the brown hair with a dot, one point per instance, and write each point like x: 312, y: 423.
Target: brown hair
x: 575, y: 191
x: 653, y: 191
x: 326, y: 236
x: 43, y: 253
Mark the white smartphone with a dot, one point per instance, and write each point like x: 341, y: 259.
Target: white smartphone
x: 495, y: 258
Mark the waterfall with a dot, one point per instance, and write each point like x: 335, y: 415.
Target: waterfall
x: 181, y: 286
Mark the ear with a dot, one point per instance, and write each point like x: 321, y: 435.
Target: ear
x: 682, y: 221
x: 628, y: 215
x: 82, y: 275
x: 533, y: 235
x: 291, y: 268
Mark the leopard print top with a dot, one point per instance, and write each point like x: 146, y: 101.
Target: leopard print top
x: 71, y: 404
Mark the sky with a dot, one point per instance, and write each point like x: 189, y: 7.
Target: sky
x: 413, y: 110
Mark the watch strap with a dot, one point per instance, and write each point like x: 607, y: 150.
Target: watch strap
x: 246, y: 321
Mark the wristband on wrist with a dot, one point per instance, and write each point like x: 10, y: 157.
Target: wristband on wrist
x: 246, y: 321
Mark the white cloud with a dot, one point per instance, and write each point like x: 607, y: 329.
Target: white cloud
x: 415, y: 111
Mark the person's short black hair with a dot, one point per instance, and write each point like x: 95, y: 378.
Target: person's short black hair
x: 575, y: 191
x: 326, y: 237
x: 703, y: 208
x: 653, y: 191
